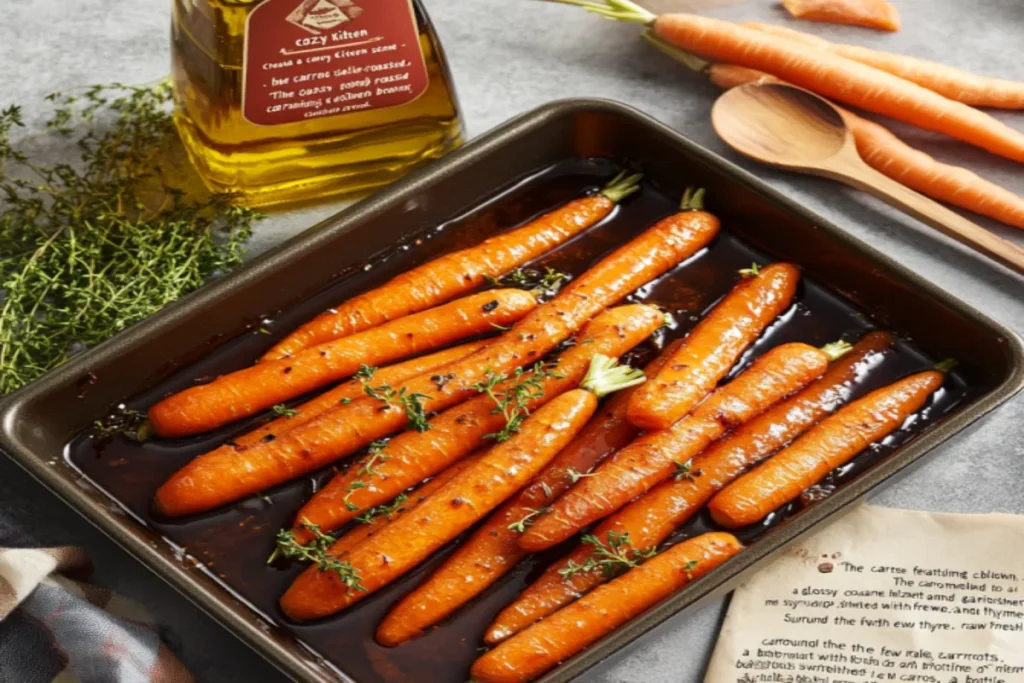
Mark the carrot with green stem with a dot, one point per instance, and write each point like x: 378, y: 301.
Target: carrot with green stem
x: 821, y: 72
x: 462, y: 502
x: 454, y: 274
x: 494, y: 415
x: 353, y: 389
x: 568, y: 631
x: 248, y: 391
x: 494, y: 548
x: 832, y: 443
x: 955, y: 84
x: 656, y: 455
x: 883, y: 151
x: 651, y: 518
x: 228, y: 474
x: 713, y: 347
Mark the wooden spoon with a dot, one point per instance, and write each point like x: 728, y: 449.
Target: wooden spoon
x: 787, y: 126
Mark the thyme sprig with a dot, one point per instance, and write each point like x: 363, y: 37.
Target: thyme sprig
x: 411, y: 403
x: 544, y: 284
x: 317, y: 552
x: 284, y: 411
x: 574, y: 476
x: 684, y: 470
x: 613, y: 558
x: 100, y: 241
x: 513, y: 402
x: 385, y: 510
x: 527, y: 521
x: 367, y: 470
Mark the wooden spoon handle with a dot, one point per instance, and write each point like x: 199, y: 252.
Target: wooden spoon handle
x: 863, y: 177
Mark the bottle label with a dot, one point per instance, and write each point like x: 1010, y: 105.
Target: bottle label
x: 308, y: 59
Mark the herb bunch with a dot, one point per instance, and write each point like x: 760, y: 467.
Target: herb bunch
x: 90, y: 247
x: 317, y: 552
x: 513, y: 403
x: 613, y: 558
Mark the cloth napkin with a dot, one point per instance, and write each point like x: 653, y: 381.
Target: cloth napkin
x: 56, y: 629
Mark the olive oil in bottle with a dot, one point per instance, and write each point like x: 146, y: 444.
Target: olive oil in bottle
x: 288, y: 100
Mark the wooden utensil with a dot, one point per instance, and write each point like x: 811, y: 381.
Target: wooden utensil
x: 787, y: 126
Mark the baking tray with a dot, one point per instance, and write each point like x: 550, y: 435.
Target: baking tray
x: 527, y: 166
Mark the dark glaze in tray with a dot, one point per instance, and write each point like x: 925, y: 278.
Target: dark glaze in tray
x: 844, y: 293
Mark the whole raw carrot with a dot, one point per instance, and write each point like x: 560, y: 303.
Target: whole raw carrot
x: 248, y: 391
x: 714, y: 346
x: 653, y: 456
x: 350, y: 391
x: 869, y: 13
x: 568, y: 631
x: 494, y: 548
x: 459, y: 504
x: 833, y: 442
x: 955, y: 84
x: 651, y: 518
x: 412, y: 456
x: 228, y: 474
x: 822, y: 72
x: 449, y: 276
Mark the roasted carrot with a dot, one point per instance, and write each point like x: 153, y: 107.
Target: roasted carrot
x: 494, y: 549
x: 248, y: 391
x: 459, y: 504
x: 955, y: 84
x: 653, y: 456
x: 412, y: 456
x: 833, y: 442
x: 228, y: 474
x: 568, y: 631
x: 650, y: 519
x: 351, y: 390
x: 822, y: 72
x: 449, y: 276
x: 714, y: 346
x: 868, y: 13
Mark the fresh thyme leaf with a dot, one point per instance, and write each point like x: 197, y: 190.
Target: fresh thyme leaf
x: 522, y: 525
x: 365, y: 373
x: 684, y: 470
x: 513, y: 403
x: 617, y: 556
x: 386, y: 510
x: 366, y: 471
x: 284, y: 411
x: 93, y: 246
x: 412, y: 403
x: 575, y: 476
x: 352, y: 488
x: 126, y: 421
x: 316, y: 552
x: 544, y: 283
x: 752, y: 271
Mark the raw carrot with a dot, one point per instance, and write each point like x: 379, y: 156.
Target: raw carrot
x: 248, y: 391
x: 494, y: 549
x: 412, y: 456
x: 833, y: 442
x: 449, y: 276
x: 459, y: 504
x: 714, y: 346
x: 351, y: 390
x: 868, y: 13
x: 568, y: 631
x: 955, y: 84
x: 228, y: 474
x: 822, y: 72
x: 653, y: 456
x: 650, y: 519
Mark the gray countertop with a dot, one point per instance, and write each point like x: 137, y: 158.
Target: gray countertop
x: 509, y: 56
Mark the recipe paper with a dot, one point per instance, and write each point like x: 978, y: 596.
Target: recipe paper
x: 884, y: 595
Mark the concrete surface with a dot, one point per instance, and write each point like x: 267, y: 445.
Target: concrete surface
x: 508, y: 56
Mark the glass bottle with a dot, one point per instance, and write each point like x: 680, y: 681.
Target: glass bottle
x: 287, y: 100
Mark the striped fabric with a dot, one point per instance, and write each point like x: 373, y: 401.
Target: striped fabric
x: 57, y: 629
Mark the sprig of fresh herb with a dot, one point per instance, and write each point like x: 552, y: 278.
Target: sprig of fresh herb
x: 617, y: 556
x: 386, y: 510
x: 523, y: 524
x: 753, y: 271
x: 544, y: 283
x: 125, y: 421
x: 684, y: 470
x: 513, y: 403
x: 366, y: 471
x: 411, y: 403
x: 316, y: 552
x: 575, y: 476
x: 284, y: 411
x: 90, y: 246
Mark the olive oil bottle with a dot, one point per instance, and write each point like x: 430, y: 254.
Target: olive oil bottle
x: 288, y: 100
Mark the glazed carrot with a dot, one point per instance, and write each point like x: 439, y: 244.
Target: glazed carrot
x: 494, y: 548
x: 653, y: 456
x: 412, y: 456
x: 449, y: 276
x: 650, y: 519
x: 833, y: 442
x: 714, y: 346
x: 955, y: 84
x: 822, y: 72
x: 248, y: 391
x: 568, y: 631
x: 892, y: 157
x: 351, y: 390
x: 459, y: 504
x: 868, y: 13
x: 228, y: 474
